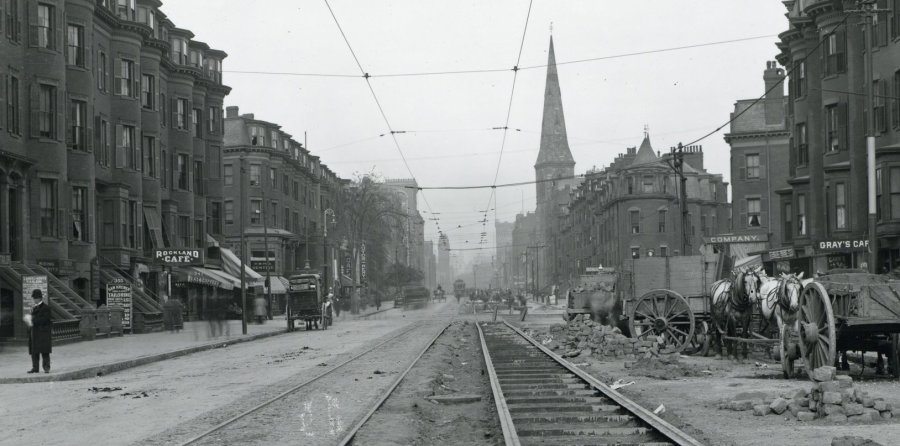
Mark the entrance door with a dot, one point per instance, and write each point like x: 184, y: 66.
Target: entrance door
x: 7, y: 315
x: 13, y: 230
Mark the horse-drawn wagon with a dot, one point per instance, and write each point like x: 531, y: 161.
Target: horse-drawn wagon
x: 415, y: 296
x: 845, y: 310
x: 305, y: 302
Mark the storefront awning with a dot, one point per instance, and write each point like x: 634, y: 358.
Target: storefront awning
x: 203, y: 276
x: 232, y: 265
x: 235, y: 281
x: 746, y: 263
x: 279, y: 285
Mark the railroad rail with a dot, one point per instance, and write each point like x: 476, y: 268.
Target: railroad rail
x: 259, y: 407
x: 542, y: 399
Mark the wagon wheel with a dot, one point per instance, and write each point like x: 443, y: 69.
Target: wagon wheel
x: 699, y: 344
x: 666, y: 314
x: 816, y: 328
x: 787, y: 349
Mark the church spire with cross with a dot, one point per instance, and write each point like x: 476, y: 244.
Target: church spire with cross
x: 554, y: 141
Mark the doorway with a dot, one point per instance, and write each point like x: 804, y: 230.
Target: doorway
x: 7, y: 313
x: 12, y: 211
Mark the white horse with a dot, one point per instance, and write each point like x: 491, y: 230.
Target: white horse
x: 732, y: 307
x: 779, y: 297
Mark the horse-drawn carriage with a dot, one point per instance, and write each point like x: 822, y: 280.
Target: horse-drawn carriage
x: 305, y: 302
x: 459, y: 289
x: 439, y: 295
x: 844, y: 310
x: 414, y: 296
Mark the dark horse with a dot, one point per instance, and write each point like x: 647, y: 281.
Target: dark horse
x: 732, y: 308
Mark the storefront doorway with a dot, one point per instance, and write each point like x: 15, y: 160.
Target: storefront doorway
x: 7, y: 313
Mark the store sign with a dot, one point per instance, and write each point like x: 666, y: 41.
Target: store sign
x: 118, y: 294
x: 746, y: 238
x: 262, y: 265
x: 56, y: 266
x: 177, y: 256
x: 843, y: 245
x: 362, y: 263
x: 786, y: 253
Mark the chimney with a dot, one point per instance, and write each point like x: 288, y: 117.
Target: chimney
x: 231, y: 111
x: 774, y: 103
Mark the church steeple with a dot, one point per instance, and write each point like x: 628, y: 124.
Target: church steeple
x: 554, y: 142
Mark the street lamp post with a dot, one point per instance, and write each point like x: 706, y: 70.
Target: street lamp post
x: 325, y: 245
x: 266, y: 247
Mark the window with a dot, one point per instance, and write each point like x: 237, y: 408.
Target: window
x: 102, y: 71
x: 198, y: 123
x: 635, y: 222
x: 164, y: 169
x: 895, y: 19
x: 285, y: 184
x: 662, y: 220
x: 47, y: 111
x: 801, y: 214
x: 840, y: 205
x: 13, y: 27
x: 273, y: 178
x: 878, y: 194
x: 184, y: 230
x: 647, y: 185
x: 199, y: 231
x: 75, y: 46
x: 109, y: 223
x: 229, y: 174
x: 788, y: 222
x: 211, y: 115
x: 48, y: 208
x: 834, y: 51
x: 752, y: 166
x: 802, y: 145
x: 132, y: 225
x: 880, y: 26
x: 183, y: 166
x: 104, y: 149
x: 198, y: 177
x: 296, y: 191
x: 179, y: 51
x: 895, y: 193
x: 704, y: 229
x: 77, y: 139
x: 255, y: 174
x: 125, y: 9
x: 127, y: 152
x: 895, y: 103
x: 287, y: 219
x: 126, y: 81
x: 753, y: 209
x: 148, y: 144
x: 12, y: 106
x: 799, y: 78
x: 879, y: 110
x: 79, y: 215
x: 229, y: 212
x: 42, y: 32
x: 275, y: 139
x: 296, y: 223
x: 630, y: 185
x: 273, y: 222
x: 663, y: 251
x: 148, y: 91
x: 635, y: 253
x: 832, y: 124
x: 163, y: 117
x: 257, y: 136
x: 181, y: 107
x: 255, y: 210
x: 215, y: 218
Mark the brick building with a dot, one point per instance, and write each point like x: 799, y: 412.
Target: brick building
x: 110, y: 145
x: 826, y: 113
x: 631, y: 209
x: 411, y: 231
x: 760, y: 155
x: 505, y: 255
x: 524, y: 243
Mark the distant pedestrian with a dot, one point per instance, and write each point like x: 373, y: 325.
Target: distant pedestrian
x: 259, y: 309
x: 40, y: 336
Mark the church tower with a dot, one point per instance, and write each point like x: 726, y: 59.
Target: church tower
x: 554, y: 161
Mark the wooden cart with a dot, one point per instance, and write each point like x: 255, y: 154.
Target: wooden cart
x: 305, y: 302
x: 667, y: 299
x: 845, y: 311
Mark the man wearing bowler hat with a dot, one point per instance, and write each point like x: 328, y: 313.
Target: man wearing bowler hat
x: 40, y: 339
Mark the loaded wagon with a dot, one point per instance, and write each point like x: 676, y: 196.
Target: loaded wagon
x: 594, y: 294
x: 305, y: 302
x: 667, y: 299
x: 415, y: 296
x: 845, y: 310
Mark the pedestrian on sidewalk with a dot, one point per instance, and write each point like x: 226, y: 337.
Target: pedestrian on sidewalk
x: 259, y: 309
x: 40, y: 336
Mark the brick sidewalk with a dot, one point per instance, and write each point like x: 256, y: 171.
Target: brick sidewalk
x: 85, y: 359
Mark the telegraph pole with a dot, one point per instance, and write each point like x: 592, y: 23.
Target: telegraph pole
x: 677, y: 165
x: 243, y: 248
x: 869, y: 10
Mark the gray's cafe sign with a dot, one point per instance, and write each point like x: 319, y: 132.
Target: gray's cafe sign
x: 177, y: 256
x: 843, y: 245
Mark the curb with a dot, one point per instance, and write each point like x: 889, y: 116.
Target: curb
x: 106, y: 369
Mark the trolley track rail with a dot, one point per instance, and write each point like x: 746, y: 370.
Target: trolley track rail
x: 542, y: 399
x: 340, y: 366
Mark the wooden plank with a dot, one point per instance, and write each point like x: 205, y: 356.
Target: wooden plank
x: 887, y: 298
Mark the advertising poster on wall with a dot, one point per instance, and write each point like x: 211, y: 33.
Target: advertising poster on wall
x: 118, y: 294
x: 29, y: 285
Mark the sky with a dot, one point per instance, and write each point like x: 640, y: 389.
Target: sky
x: 448, y: 119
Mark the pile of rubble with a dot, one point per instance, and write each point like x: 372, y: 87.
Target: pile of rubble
x: 583, y: 337
x: 832, y: 397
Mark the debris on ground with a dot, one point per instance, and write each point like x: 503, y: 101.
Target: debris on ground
x: 664, y: 366
x: 104, y: 389
x: 832, y: 397
x: 853, y: 441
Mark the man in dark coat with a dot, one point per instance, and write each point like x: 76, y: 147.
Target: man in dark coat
x: 40, y: 339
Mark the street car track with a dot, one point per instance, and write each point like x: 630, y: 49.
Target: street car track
x: 542, y: 399
x: 300, y: 386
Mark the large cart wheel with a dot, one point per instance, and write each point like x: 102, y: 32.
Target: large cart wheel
x: 700, y: 342
x: 788, y: 349
x: 816, y: 328
x: 663, y: 314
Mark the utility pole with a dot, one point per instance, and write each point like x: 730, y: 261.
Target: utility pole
x: 869, y: 10
x: 325, y: 247
x: 266, y: 246
x: 677, y: 165
x: 243, y: 248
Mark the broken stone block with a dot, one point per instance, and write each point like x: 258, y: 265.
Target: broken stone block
x: 836, y: 418
x: 832, y: 398
x: 779, y: 405
x: 806, y: 416
x: 868, y: 401
x: 832, y: 409
x: 794, y: 408
x: 824, y: 373
x: 881, y: 406
x: 886, y: 415
x: 830, y: 386
x: 845, y: 381
x: 802, y: 402
x: 853, y: 409
x: 760, y: 410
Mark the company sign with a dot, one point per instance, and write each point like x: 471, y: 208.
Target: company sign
x: 178, y: 256
x: 843, y: 245
x: 745, y: 238
x: 118, y: 294
x: 262, y: 265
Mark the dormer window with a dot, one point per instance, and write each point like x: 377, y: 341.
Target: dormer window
x: 179, y: 50
x: 257, y: 136
x: 125, y: 9
x: 145, y: 16
x: 196, y: 59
